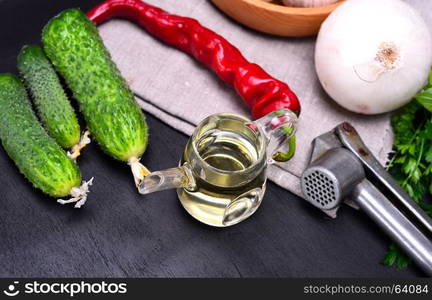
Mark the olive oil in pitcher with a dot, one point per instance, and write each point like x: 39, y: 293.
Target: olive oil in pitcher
x: 224, y: 200
x: 222, y: 176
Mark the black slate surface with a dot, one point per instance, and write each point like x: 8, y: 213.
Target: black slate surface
x: 121, y: 233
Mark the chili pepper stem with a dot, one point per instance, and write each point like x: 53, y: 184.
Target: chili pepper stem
x: 79, y: 194
x: 286, y: 156
x: 76, y: 150
x: 139, y: 171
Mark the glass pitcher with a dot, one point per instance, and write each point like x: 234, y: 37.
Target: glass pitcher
x: 221, y: 177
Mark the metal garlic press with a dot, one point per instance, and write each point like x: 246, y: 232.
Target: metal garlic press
x: 343, y: 170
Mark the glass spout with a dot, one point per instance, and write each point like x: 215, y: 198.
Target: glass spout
x: 173, y: 178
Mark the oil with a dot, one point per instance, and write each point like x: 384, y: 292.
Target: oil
x: 221, y: 176
x: 234, y: 182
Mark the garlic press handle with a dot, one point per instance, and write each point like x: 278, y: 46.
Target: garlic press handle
x: 351, y: 140
x: 414, y: 242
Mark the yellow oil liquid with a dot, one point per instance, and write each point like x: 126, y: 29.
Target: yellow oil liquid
x: 216, y: 204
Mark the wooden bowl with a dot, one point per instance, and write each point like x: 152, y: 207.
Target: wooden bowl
x: 276, y: 19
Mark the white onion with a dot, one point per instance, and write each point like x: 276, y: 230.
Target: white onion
x: 372, y: 56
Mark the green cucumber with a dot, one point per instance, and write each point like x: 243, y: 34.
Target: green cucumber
x: 53, y: 107
x: 38, y: 157
x: 72, y: 43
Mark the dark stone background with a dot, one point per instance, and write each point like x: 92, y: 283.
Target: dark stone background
x: 121, y: 233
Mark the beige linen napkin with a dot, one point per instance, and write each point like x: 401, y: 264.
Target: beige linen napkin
x: 175, y: 88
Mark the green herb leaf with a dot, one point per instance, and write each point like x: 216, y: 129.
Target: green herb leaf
x: 390, y: 257
x: 427, y: 207
x: 411, y: 162
x: 410, y: 166
x: 425, y: 99
x: 428, y: 155
x: 395, y: 256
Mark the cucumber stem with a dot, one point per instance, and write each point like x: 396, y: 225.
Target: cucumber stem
x: 79, y: 194
x: 76, y: 150
x: 139, y: 171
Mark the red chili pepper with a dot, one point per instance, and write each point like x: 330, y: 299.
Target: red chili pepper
x: 259, y: 90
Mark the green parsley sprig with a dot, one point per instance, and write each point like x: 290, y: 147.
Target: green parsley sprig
x: 411, y: 162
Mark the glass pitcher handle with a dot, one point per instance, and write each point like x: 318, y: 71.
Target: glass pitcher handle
x: 278, y: 127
